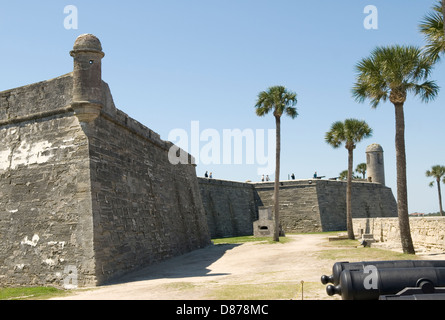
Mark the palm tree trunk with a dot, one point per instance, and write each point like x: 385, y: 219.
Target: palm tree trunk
x: 349, y: 225
x: 276, y: 235
x: 440, y: 195
x: 402, y: 193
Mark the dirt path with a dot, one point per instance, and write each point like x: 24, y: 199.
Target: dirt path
x: 193, y: 276
x: 199, y: 274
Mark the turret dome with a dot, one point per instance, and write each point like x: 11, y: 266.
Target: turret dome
x: 87, y: 43
x: 374, y: 148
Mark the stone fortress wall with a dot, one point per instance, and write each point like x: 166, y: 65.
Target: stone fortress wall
x: 45, y: 195
x: 428, y: 233
x: 88, y: 194
x: 230, y: 207
x: 305, y: 205
x: 312, y: 205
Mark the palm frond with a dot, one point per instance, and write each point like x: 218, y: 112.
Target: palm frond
x: 390, y: 72
x: 433, y: 30
x: 336, y: 136
x: 437, y: 172
x: 350, y: 132
x: 427, y: 91
x: 278, y: 100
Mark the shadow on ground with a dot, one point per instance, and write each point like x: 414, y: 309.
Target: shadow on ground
x: 192, y: 264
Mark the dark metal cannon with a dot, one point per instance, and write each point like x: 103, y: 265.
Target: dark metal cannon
x: 338, y: 267
x: 418, y: 293
x: 375, y: 282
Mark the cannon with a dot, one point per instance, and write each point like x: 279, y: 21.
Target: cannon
x: 338, y: 267
x: 426, y: 292
x: 374, y: 283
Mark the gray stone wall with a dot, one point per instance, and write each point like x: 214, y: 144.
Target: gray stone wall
x: 368, y: 200
x: 299, y: 207
x: 87, y: 201
x: 145, y: 209
x: 428, y: 233
x: 230, y: 207
x: 45, y: 198
x: 36, y: 101
x: 305, y: 205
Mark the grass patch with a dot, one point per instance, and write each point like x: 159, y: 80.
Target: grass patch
x: 344, y: 243
x: 268, y: 291
x: 30, y: 293
x: 349, y: 250
x: 179, y: 286
x: 241, y: 240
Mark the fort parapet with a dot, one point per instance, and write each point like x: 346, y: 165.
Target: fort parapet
x: 305, y: 205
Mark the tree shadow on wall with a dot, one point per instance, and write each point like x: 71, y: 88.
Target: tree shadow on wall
x: 192, y: 264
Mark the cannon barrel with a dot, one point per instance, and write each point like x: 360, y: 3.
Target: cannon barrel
x: 360, y: 285
x: 429, y: 297
x: 359, y: 266
x: 423, y: 292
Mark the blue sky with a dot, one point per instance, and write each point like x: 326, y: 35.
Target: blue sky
x: 172, y: 62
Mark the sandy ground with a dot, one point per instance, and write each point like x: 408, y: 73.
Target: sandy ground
x: 195, y: 275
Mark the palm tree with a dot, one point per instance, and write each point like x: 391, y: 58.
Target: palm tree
x: 279, y: 101
x: 437, y: 172
x: 343, y: 175
x: 390, y: 73
x: 350, y: 133
x: 361, y: 168
x: 433, y: 28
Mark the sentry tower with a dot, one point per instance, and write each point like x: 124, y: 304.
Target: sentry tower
x: 87, y: 77
x: 375, y: 164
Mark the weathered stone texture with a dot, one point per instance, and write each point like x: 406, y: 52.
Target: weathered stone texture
x: 428, y: 233
x: 298, y: 204
x: 45, y: 201
x: 98, y: 199
x: 320, y: 205
x: 230, y: 207
x: 375, y: 164
x: 34, y: 100
x: 305, y: 205
x: 145, y: 209
x: 368, y: 200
